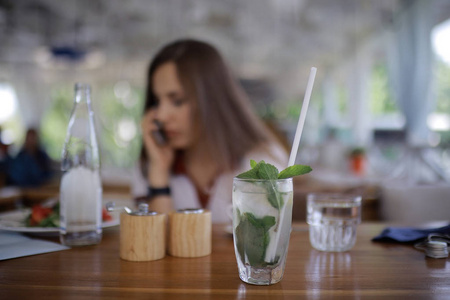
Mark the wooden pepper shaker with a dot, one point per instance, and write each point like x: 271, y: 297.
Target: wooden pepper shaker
x: 142, y: 235
x: 190, y: 233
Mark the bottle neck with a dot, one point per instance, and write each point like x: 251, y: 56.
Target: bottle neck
x: 82, y: 93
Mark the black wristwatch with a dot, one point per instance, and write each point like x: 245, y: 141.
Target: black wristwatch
x: 153, y: 192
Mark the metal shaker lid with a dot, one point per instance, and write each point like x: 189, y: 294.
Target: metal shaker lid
x: 143, y: 211
x: 191, y: 211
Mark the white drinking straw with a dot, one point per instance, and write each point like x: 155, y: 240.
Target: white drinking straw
x: 302, y: 118
x: 271, y: 253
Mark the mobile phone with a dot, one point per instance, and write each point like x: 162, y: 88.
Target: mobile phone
x: 159, y: 135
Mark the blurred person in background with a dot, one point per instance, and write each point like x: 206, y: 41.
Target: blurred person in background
x: 199, y: 131
x: 4, y: 160
x: 32, y: 166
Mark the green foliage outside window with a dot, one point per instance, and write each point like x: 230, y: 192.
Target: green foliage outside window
x: 120, y: 125
x: 443, y: 87
x: 117, y: 124
x: 381, y: 100
x: 443, y: 96
x: 342, y: 99
x: 55, y: 120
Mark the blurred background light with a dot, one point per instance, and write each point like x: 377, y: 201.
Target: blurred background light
x: 438, y: 122
x: 8, y: 103
x: 122, y: 89
x: 441, y: 41
x: 126, y: 129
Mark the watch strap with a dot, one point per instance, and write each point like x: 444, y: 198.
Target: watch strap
x: 153, y: 192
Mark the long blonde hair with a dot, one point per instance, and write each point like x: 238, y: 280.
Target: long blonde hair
x: 226, y: 118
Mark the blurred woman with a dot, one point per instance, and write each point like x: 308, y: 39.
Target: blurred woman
x: 199, y: 131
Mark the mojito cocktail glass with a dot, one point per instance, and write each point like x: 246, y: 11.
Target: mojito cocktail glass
x: 262, y: 218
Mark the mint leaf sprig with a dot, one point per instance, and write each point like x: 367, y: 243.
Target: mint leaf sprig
x: 262, y: 170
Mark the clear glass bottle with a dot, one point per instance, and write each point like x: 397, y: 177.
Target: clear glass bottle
x: 81, y: 188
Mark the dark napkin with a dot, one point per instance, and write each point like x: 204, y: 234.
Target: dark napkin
x: 407, y: 234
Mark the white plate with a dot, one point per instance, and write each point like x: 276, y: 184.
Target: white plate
x: 15, y: 221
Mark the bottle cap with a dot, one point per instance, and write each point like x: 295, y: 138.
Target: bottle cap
x: 436, y: 249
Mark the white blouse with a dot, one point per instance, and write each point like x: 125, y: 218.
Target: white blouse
x: 184, y: 194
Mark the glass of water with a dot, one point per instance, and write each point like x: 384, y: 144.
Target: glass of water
x: 262, y: 218
x: 333, y: 220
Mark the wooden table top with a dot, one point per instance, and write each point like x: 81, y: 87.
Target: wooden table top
x: 369, y: 270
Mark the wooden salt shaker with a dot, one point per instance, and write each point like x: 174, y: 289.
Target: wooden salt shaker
x: 190, y: 233
x: 142, y: 235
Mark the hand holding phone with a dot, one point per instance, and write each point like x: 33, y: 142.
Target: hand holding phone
x: 160, y: 156
x: 159, y: 135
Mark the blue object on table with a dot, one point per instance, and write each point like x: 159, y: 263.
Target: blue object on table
x: 407, y: 235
